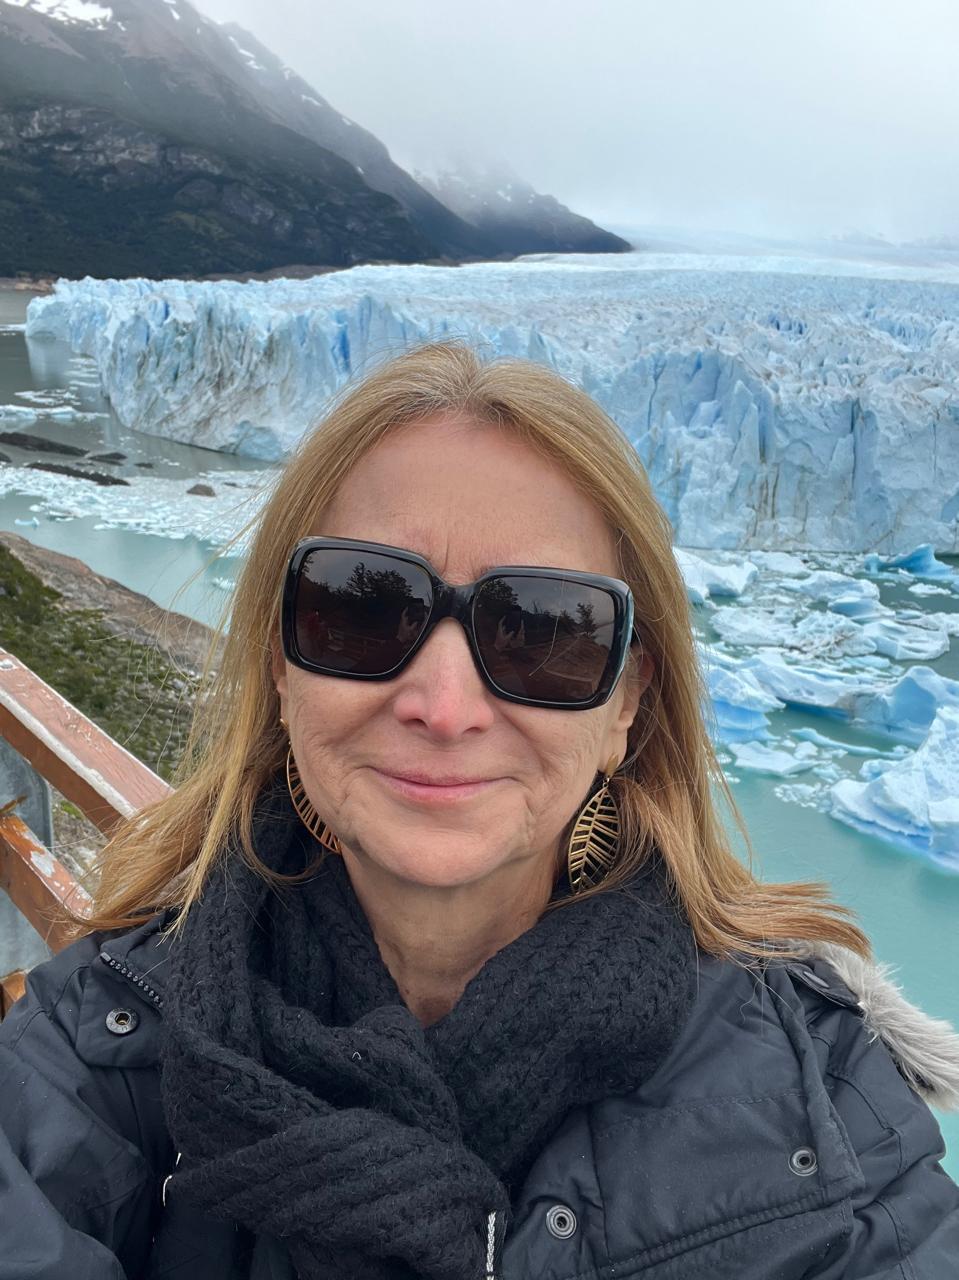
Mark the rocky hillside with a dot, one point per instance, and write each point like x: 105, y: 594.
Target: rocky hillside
x: 145, y: 139
x: 504, y: 208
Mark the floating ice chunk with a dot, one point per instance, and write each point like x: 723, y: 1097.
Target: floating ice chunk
x: 903, y: 710
x: 807, y: 734
x: 17, y: 413
x: 830, y: 635
x: 921, y: 562
x: 739, y: 625
x: 928, y: 589
x: 912, y: 802
x: 806, y: 794
x: 704, y: 579
x: 66, y: 413
x: 906, y: 709
x: 48, y: 398
x: 906, y: 643
x: 932, y: 621
x: 804, y: 685
x: 861, y: 608
x: 816, y: 634
x: 739, y: 705
x: 780, y: 563
x: 764, y: 759
x: 32, y: 523
x: 826, y: 585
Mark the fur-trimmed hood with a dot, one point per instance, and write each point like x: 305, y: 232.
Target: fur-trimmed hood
x: 925, y: 1049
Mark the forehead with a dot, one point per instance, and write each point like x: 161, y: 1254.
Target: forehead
x: 468, y: 496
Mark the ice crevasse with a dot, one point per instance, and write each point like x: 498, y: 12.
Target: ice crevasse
x: 770, y: 409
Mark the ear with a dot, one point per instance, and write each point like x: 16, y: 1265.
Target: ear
x: 278, y: 670
x: 636, y: 680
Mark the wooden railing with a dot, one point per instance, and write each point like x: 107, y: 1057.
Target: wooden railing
x: 87, y: 767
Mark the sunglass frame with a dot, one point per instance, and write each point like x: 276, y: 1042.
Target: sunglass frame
x: 450, y: 601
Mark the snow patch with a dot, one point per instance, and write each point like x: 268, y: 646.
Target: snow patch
x: 67, y: 11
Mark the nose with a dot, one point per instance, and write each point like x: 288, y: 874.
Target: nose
x: 442, y: 689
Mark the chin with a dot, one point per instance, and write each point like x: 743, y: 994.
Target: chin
x: 435, y: 860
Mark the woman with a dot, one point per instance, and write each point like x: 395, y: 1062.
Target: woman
x: 437, y: 963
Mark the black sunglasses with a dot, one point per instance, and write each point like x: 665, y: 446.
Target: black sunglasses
x: 541, y: 637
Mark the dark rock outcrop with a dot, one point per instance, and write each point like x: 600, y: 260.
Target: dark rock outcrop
x: 40, y: 444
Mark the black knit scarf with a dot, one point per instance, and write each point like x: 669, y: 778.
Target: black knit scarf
x: 309, y: 1103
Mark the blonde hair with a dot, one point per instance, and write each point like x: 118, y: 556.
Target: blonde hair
x: 164, y: 855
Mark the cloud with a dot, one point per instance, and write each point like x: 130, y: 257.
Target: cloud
x: 794, y: 117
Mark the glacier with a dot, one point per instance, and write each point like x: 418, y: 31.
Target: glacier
x: 772, y: 407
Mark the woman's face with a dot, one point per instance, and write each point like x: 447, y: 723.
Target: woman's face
x: 467, y: 496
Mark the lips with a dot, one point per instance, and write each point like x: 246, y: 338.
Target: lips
x: 438, y: 789
x: 435, y: 779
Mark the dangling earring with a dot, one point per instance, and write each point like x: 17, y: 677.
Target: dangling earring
x: 304, y: 807
x: 594, y: 839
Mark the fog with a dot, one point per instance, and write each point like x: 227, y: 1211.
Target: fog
x: 786, y: 118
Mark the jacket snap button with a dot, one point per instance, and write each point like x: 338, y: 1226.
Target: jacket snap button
x: 803, y: 1161
x: 560, y: 1221
x: 122, y: 1021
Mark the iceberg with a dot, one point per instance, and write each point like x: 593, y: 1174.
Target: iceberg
x: 828, y: 586
x: 905, y: 710
x: 738, y: 703
x: 898, y: 640
x: 862, y: 608
x: 18, y: 413
x: 921, y: 562
x: 773, y: 409
x: 912, y: 802
x: 902, y: 709
x: 760, y: 758
x: 781, y: 563
x: 814, y: 634
x: 704, y: 579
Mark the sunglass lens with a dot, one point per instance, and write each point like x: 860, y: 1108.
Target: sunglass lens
x: 547, y: 639
x: 358, y: 612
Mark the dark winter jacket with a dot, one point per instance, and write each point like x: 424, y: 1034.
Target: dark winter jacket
x: 778, y: 1141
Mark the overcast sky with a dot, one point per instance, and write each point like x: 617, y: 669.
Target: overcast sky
x: 777, y: 116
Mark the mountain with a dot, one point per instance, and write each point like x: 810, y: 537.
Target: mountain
x: 490, y: 197
x: 280, y: 91
x: 131, y: 143
x: 142, y: 138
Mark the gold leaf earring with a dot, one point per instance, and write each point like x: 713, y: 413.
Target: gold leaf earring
x: 594, y: 840
x: 304, y: 807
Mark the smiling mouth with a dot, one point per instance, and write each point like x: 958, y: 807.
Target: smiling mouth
x: 431, y: 790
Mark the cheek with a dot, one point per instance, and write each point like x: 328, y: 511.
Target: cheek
x: 567, y: 746
x: 325, y: 717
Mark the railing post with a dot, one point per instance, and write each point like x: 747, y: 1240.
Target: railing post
x: 21, y: 947
x: 88, y: 768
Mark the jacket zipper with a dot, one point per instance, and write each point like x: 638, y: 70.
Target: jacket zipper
x: 132, y: 976
x: 490, y: 1247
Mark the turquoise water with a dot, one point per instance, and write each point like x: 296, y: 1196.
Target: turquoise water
x: 908, y: 908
